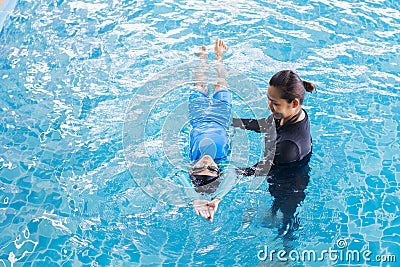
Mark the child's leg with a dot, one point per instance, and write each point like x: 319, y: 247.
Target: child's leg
x: 221, y: 83
x: 200, y: 75
x: 221, y: 107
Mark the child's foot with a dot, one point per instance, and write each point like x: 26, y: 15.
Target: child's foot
x: 220, y: 49
x: 202, y: 54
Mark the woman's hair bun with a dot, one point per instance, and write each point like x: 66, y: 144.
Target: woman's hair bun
x: 310, y: 87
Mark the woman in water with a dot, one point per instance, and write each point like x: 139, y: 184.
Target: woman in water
x: 289, y: 174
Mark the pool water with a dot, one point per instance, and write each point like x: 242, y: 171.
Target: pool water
x: 69, y: 71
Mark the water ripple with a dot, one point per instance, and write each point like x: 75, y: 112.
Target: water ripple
x: 68, y: 71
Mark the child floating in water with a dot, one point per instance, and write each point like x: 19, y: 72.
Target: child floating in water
x: 209, y: 142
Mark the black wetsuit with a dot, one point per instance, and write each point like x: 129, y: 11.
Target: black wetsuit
x: 287, y: 184
x: 293, y: 140
x: 289, y: 175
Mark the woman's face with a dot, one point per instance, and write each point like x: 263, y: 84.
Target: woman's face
x: 279, y: 107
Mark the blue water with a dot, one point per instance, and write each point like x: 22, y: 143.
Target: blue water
x: 70, y: 70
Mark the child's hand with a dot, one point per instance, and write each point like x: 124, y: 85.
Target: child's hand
x: 205, y: 208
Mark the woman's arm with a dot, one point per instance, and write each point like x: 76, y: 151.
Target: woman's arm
x: 247, y: 124
x: 260, y: 126
x: 261, y: 168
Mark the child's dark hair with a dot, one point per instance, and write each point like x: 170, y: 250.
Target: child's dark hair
x: 204, y: 183
x: 290, y: 85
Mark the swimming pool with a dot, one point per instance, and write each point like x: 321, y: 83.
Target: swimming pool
x: 70, y: 69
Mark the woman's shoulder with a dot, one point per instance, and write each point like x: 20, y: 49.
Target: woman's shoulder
x: 303, y: 124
